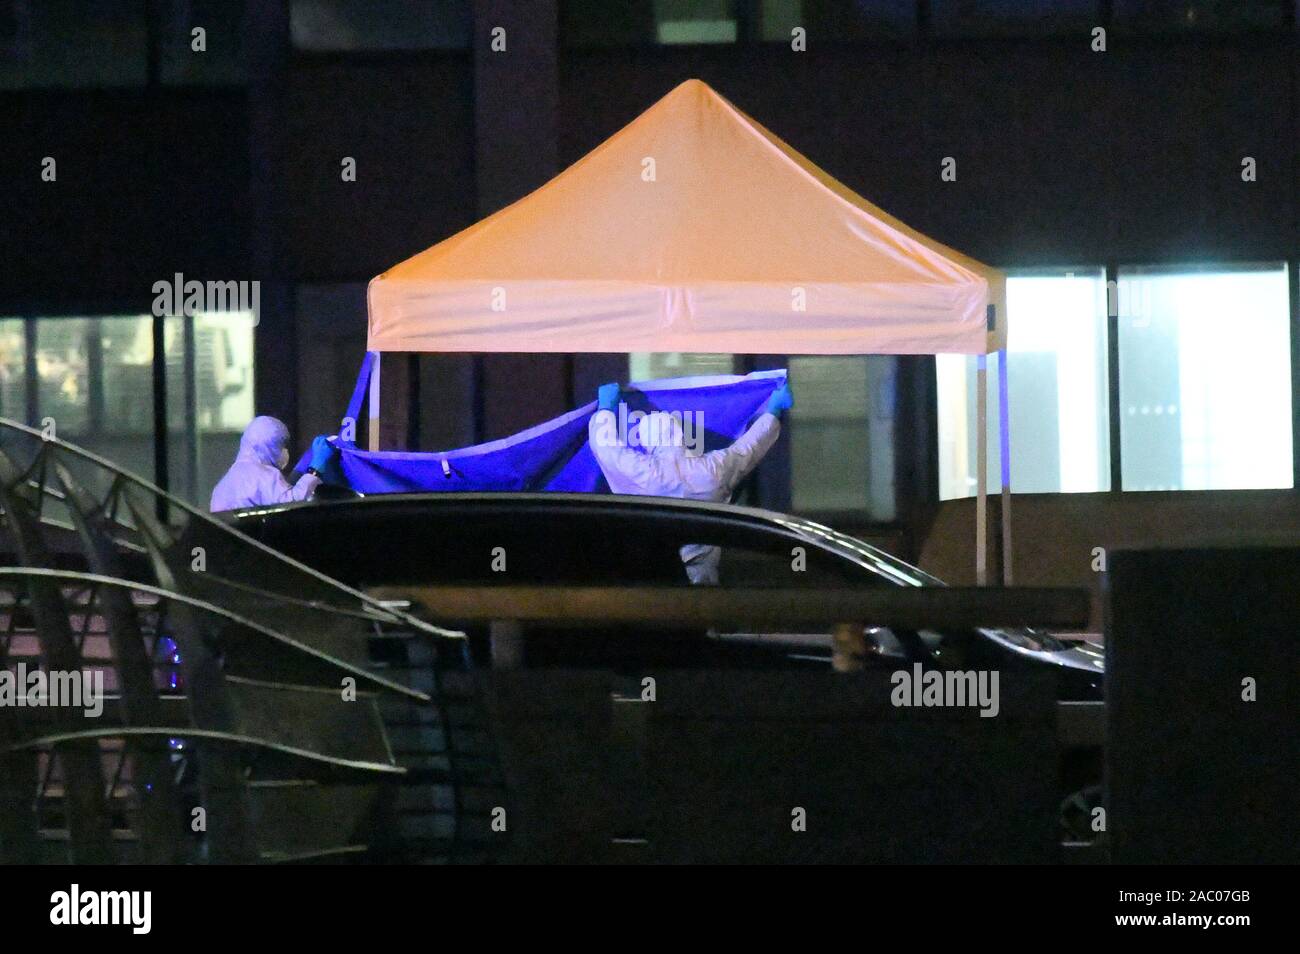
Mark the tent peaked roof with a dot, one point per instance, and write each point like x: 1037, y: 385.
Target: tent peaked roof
x: 693, y: 228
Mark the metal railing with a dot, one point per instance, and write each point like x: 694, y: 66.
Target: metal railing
x: 244, y: 714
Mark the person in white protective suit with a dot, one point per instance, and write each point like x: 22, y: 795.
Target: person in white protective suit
x: 669, y: 468
x: 255, y: 479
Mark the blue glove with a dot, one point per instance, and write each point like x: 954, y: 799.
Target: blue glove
x: 321, y: 453
x: 607, y: 396
x: 782, y: 399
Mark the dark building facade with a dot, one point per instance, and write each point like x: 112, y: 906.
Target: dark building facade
x: 1176, y: 146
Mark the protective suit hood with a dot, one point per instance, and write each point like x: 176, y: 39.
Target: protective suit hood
x: 265, y: 441
x: 667, y: 468
x: 254, y: 479
x: 659, y: 433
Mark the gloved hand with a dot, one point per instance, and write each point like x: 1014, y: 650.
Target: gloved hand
x: 607, y: 396
x: 782, y: 399
x: 321, y: 453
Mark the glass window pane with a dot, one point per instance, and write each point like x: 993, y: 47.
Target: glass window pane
x: 94, y: 380
x: 124, y: 405
x: 1057, y: 394
x: 63, y: 375
x: 645, y: 366
x: 379, y: 24
x: 209, y: 397
x: 13, y: 369
x: 127, y: 360
x: 695, y: 21
x: 841, y: 434
x: 955, y: 388
x: 1205, y: 379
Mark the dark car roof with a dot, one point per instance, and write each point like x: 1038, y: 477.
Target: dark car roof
x: 303, y: 520
x: 815, y: 534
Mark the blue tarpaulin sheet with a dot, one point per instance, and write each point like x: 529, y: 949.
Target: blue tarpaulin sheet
x: 553, y: 455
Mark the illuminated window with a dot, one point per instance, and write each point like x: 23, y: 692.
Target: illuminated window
x: 63, y: 375
x: 209, y: 397
x: 695, y: 21
x: 13, y: 369
x: 1205, y: 379
x: 1057, y: 392
x: 841, y: 434
x: 94, y: 384
x: 644, y: 366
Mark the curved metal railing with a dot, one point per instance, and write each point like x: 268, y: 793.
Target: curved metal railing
x: 36, y: 474
x: 291, y: 748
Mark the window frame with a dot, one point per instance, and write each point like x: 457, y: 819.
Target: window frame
x: 1112, y: 270
x: 1043, y: 271
x: 160, y: 432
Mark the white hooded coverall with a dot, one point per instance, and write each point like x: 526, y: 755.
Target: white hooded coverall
x: 255, y: 479
x: 668, y: 470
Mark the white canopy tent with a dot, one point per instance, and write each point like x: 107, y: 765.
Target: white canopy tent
x: 695, y: 229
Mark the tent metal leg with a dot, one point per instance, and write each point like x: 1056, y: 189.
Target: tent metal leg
x: 981, y: 471
x: 1004, y: 453
x: 372, y: 435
